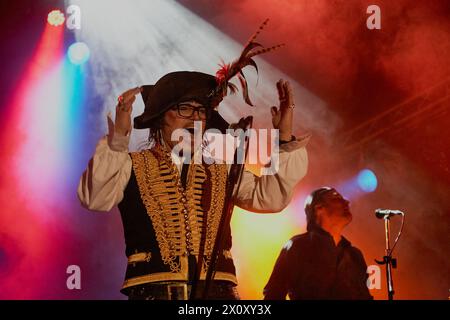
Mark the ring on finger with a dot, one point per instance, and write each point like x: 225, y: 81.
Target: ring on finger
x: 122, y: 105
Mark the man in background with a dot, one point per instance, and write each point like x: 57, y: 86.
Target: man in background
x: 321, y: 263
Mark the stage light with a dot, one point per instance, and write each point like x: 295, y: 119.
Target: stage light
x: 78, y: 53
x: 55, y: 18
x: 367, y: 180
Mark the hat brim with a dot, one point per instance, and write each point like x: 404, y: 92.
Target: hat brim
x: 144, y: 121
x: 215, y: 121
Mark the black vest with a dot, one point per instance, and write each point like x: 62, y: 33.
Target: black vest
x: 145, y: 241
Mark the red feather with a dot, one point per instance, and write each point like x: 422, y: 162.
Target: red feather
x: 228, y: 71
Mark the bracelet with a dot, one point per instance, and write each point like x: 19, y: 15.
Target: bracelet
x: 293, y: 138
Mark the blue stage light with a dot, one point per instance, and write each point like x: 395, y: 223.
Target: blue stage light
x: 367, y: 180
x: 78, y: 53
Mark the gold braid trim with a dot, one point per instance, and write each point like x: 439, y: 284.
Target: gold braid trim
x: 196, y: 178
x: 168, y: 276
x: 219, y: 174
x: 177, y: 215
x: 157, y: 186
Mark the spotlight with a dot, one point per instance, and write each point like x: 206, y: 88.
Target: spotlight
x: 78, y: 53
x: 367, y: 180
x: 55, y: 18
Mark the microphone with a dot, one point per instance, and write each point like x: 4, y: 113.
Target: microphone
x: 242, y: 124
x: 381, y: 213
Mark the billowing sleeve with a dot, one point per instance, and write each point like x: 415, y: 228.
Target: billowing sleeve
x: 102, y: 184
x: 273, y: 192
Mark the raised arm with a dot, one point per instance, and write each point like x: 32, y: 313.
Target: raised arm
x: 103, y: 182
x: 272, y: 193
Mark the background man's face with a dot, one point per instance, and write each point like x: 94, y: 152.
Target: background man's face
x: 337, y: 207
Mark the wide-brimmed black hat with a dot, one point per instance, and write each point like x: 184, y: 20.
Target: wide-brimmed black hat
x: 173, y: 88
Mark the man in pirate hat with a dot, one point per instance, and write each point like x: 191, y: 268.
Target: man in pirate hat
x: 171, y: 211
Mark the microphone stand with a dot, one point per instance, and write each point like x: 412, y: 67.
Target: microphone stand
x: 388, y: 260
x: 233, y: 183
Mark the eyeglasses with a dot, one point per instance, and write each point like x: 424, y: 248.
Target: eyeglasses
x: 187, y: 111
